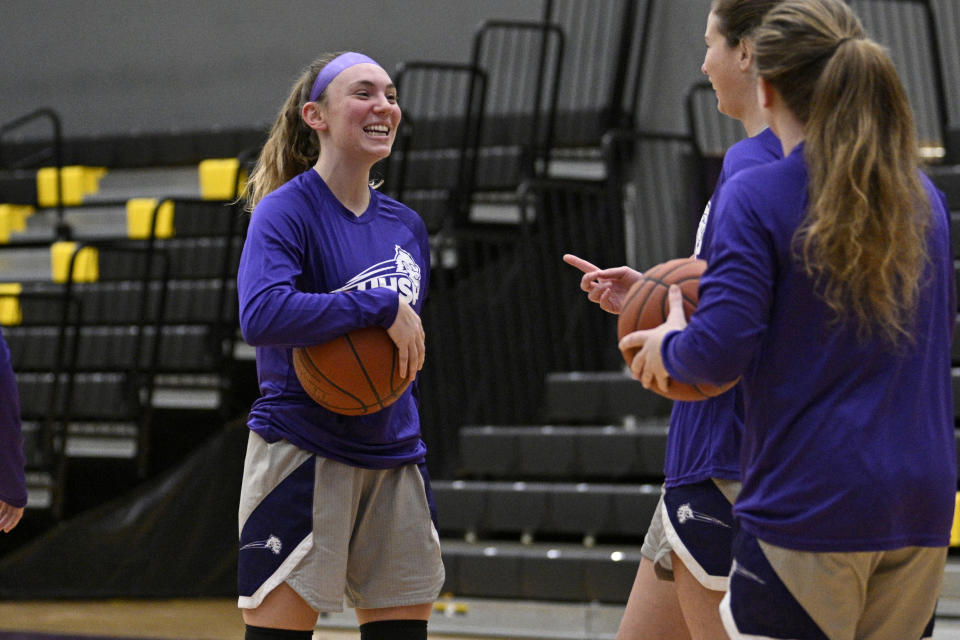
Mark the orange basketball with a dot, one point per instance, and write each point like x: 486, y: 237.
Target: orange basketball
x: 647, y: 306
x: 355, y: 374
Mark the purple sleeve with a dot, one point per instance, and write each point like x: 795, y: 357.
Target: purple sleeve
x: 945, y: 211
x: 274, y: 312
x: 13, y: 489
x: 736, y: 292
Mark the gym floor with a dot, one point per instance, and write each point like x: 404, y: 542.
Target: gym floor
x: 218, y: 619
x: 214, y: 619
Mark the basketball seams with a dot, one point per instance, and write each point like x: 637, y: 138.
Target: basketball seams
x: 665, y: 300
x: 635, y: 315
x: 661, y: 280
x: 643, y: 303
x: 338, y: 374
x: 302, y: 356
x: 363, y: 369
x: 656, y: 277
x: 394, y: 364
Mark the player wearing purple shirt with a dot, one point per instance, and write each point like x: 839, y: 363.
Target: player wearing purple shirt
x: 709, y: 444
x: 333, y: 508
x: 302, y: 245
x: 815, y: 392
x: 13, y: 489
x: 701, y: 472
x: 831, y: 292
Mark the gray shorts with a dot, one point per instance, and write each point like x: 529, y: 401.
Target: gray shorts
x: 656, y: 546
x: 874, y: 595
x: 334, y: 532
x: 703, y: 544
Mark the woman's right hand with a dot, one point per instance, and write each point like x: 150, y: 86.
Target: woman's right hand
x: 407, y: 333
x: 606, y: 287
x: 9, y: 516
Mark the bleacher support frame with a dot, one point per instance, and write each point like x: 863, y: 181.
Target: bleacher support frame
x: 465, y: 141
x: 936, y: 69
x: 39, y: 158
x: 535, y: 151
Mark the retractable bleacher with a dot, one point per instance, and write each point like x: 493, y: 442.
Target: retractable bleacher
x: 118, y: 303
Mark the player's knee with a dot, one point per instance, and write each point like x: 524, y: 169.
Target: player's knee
x: 394, y: 630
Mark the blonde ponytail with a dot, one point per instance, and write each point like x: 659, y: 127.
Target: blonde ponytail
x: 863, y: 239
x: 292, y: 147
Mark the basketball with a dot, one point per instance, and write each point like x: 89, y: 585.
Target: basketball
x: 647, y: 305
x: 354, y: 374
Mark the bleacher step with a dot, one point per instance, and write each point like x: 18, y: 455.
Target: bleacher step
x: 489, y: 213
x: 578, y: 164
x: 563, y: 452
x: 588, y: 396
x: 544, y: 510
x: 562, y: 572
x: 86, y: 223
x: 25, y: 264
x: 120, y: 185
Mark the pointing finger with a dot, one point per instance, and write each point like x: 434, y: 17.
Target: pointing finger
x: 579, y: 263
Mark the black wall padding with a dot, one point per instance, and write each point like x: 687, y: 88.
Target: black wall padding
x: 173, y: 536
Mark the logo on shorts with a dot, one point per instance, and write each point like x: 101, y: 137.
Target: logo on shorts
x: 736, y: 568
x: 272, y: 543
x: 684, y: 513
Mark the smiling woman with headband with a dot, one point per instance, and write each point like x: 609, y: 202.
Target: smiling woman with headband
x: 292, y: 146
x: 333, y: 507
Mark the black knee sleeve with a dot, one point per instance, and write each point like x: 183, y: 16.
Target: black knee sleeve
x: 394, y: 630
x: 264, y: 633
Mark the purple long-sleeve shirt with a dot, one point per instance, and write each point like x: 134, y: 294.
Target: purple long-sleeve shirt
x: 310, y: 271
x: 704, y: 439
x: 848, y: 443
x: 13, y: 488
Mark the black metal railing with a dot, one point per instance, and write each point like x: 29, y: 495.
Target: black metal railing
x: 45, y: 155
x: 441, y: 129
x: 524, y: 63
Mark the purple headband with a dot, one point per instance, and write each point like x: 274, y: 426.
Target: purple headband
x: 333, y: 69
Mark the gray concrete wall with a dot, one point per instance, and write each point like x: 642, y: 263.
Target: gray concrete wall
x: 113, y: 66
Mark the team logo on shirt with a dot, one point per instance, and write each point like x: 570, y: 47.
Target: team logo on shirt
x: 685, y: 513
x: 701, y: 228
x: 272, y: 543
x: 401, y: 273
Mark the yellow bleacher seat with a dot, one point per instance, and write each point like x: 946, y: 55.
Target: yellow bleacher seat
x: 139, y: 217
x: 955, y: 530
x: 218, y: 178
x: 85, y: 267
x: 91, y: 178
x: 14, y: 217
x: 4, y: 226
x: 76, y: 182
x: 10, y: 312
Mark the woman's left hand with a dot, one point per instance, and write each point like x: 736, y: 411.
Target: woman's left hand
x: 9, y: 516
x: 646, y: 364
x: 407, y: 333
